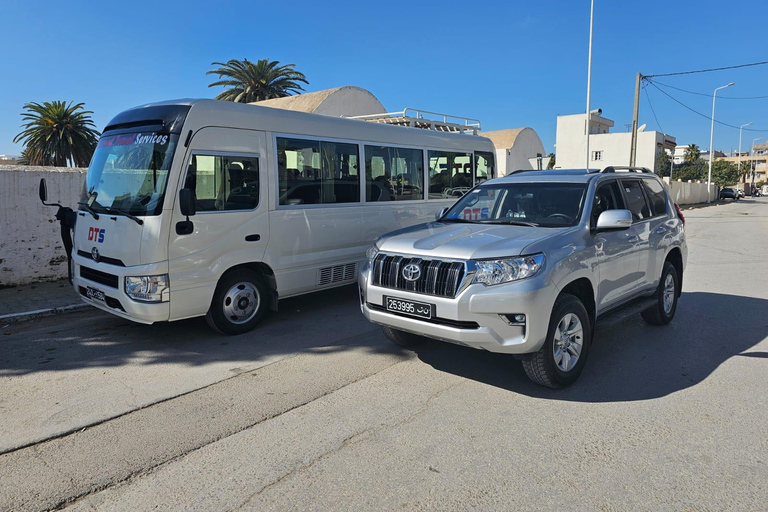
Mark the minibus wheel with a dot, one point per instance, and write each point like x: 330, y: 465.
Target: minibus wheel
x: 239, y: 303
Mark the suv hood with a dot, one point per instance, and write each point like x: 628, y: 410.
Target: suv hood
x: 464, y: 241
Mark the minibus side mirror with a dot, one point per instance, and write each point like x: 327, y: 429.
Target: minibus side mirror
x: 43, y: 191
x: 187, y: 205
x: 187, y: 202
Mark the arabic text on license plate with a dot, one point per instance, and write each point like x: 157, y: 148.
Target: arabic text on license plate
x: 94, y: 293
x: 408, y: 307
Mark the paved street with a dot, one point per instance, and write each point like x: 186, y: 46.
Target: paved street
x: 316, y: 410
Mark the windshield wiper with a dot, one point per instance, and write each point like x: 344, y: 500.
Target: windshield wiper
x: 512, y: 222
x: 88, y: 208
x: 109, y: 209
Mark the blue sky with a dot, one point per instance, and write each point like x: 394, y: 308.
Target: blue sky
x: 508, y: 63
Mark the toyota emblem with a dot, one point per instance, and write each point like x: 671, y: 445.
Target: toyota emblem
x: 95, y: 254
x: 412, y: 272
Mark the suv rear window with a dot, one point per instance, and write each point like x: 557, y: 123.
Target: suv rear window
x: 656, y: 195
x: 636, y: 202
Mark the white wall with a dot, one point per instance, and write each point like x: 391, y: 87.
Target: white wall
x: 690, y: 192
x: 30, y: 236
x: 527, y: 145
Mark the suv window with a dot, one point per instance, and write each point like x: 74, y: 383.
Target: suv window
x: 636, y: 202
x: 656, y: 195
x: 607, y: 197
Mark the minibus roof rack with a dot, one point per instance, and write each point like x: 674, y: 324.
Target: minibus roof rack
x: 416, y: 118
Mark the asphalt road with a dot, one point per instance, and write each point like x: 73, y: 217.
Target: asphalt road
x: 317, y: 411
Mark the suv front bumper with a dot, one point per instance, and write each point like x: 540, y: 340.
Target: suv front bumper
x: 476, y: 317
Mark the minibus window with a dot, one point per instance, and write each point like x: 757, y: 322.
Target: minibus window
x: 393, y: 174
x: 223, y: 183
x: 315, y: 172
x: 484, y: 166
x: 450, y: 174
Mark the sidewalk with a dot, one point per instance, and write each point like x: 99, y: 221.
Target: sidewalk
x: 37, y: 299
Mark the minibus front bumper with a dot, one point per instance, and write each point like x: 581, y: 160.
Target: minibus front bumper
x: 90, y: 277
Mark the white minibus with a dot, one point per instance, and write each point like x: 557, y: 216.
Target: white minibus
x: 204, y: 207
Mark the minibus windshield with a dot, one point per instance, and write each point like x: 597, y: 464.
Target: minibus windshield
x: 129, y: 172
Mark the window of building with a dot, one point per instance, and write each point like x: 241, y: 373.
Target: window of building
x: 597, y: 155
x: 393, y: 174
x: 656, y: 195
x: 317, y: 172
x: 636, y: 202
x: 223, y: 183
x: 485, y: 167
x: 450, y: 174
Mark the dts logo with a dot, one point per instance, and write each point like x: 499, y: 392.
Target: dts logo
x: 96, y: 234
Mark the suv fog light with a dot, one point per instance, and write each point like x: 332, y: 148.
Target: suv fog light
x: 147, y: 288
x: 515, y: 319
x: 520, y: 318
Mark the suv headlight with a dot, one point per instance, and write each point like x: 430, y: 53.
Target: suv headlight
x: 371, y: 253
x: 490, y: 272
x: 147, y: 288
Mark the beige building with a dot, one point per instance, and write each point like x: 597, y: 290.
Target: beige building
x: 516, y: 149
x: 605, y: 148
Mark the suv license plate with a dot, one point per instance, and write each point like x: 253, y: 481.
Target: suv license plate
x: 95, y: 294
x: 408, y: 307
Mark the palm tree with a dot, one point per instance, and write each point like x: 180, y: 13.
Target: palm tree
x: 57, y: 133
x: 692, y: 153
x: 251, y: 82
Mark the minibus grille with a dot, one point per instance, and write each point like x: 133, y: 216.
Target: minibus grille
x: 100, y: 277
x: 337, y: 274
x: 437, y: 277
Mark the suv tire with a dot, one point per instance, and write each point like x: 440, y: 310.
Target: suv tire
x: 402, y: 338
x: 663, y: 311
x: 569, y: 335
x: 239, y: 302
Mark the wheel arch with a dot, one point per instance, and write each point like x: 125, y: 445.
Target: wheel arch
x: 582, y: 289
x: 675, y: 257
x: 265, y: 271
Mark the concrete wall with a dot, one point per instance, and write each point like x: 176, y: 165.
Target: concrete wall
x: 30, y: 239
x: 690, y: 192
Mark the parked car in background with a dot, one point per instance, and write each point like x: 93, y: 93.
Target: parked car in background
x: 739, y: 193
x: 526, y: 264
x: 728, y: 193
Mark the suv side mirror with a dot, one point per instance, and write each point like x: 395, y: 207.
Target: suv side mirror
x: 187, y: 201
x: 442, y: 212
x: 611, y: 220
x: 43, y: 191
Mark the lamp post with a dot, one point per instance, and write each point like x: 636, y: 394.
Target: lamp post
x: 711, y: 142
x: 589, y: 76
x: 752, y: 157
x: 740, y: 127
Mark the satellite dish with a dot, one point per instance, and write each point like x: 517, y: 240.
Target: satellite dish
x: 642, y: 127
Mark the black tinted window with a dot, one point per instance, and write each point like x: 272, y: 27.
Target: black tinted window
x: 394, y: 174
x: 607, y: 197
x: 223, y: 182
x: 656, y: 195
x: 636, y: 203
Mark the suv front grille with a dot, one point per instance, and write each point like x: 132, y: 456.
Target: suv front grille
x: 440, y: 278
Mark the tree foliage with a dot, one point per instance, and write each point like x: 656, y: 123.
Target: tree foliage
x: 692, y: 153
x: 663, y: 160
x: 552, y: 161
x: 56, y: 133
x: 724, y: 173
x: 248, y: 82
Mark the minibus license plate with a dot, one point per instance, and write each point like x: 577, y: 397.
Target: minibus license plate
x: 95, y: 294
x: 408, y: 307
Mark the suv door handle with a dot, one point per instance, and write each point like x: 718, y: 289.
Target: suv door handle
x: 661, y: 230
x: 632, y: 238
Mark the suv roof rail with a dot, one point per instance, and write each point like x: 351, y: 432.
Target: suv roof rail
x: 627, y: 168
x: 417, y: 118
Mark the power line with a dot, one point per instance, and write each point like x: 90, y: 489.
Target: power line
x: 699, y: 113
x: 707, y: 94
x: 709, y: 70
x: 647, y: 96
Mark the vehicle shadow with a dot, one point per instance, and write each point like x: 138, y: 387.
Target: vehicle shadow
x: 328, y: 320
x: 631, y: 360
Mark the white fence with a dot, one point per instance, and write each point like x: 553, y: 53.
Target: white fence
x: 30, y: 236
x: 690, y: 192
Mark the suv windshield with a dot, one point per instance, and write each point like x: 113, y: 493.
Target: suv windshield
x: 534, y: 204
x: 129, y: 171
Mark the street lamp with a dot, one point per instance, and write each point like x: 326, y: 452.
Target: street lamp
x: 740, y: 127
x: 752, y: 157
x: 711, y: 141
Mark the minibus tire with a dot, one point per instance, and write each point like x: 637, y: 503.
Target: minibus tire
x: 235, y: 294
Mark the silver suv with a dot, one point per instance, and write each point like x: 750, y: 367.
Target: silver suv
x: 526, y: 265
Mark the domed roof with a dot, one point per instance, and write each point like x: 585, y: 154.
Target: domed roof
x: 339, y: 101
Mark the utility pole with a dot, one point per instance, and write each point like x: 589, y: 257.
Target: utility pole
x: 633, y: 147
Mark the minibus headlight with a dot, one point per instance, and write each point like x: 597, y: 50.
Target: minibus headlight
x: 490, y: 272
x: 147, y: 288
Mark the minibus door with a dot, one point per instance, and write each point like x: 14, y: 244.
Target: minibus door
x: 227, y: 170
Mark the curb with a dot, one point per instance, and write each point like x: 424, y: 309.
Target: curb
x: 39, y: 313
